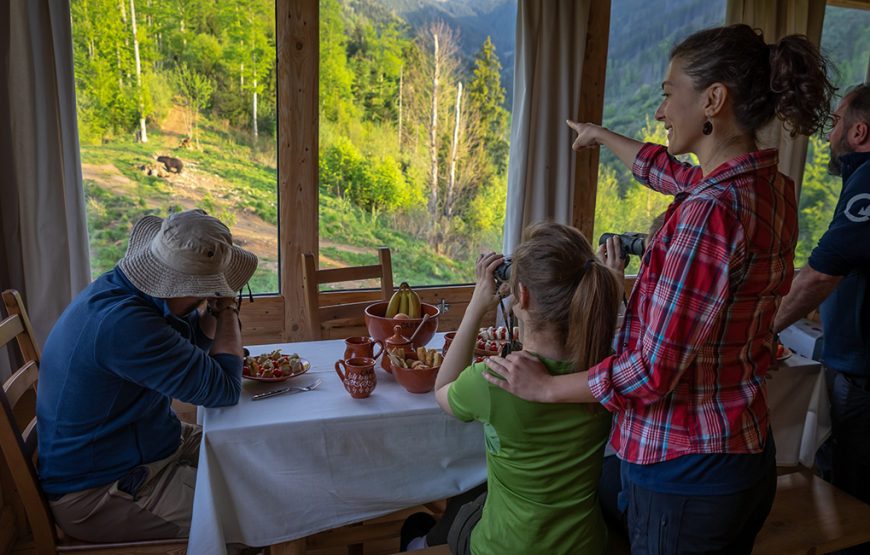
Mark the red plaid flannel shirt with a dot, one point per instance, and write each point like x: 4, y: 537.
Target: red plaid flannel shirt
x: 693, y: 351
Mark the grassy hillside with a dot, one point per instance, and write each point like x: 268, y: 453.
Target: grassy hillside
x: 236, y: 183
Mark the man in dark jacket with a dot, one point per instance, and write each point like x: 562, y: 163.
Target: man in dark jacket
x: 114, y: 460
x: 837, y: 277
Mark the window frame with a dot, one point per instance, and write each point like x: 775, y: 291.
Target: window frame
x: 278, y: 318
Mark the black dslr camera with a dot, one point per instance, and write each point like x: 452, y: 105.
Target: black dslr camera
x: 631, y: 242
x: 502, y: 274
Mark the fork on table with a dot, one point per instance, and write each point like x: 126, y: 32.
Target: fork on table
x: 291, y: 389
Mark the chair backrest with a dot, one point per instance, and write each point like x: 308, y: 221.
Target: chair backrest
x: 18, y: 425
x: 346, y: 314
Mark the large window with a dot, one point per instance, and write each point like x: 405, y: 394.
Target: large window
x: 414, y: 127
x: 641, y: 37
x: 846, y: 43
x: 176, y: 110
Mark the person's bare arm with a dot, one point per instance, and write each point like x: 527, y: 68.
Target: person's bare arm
x: 484, y: 298
x: 228, y: 333
x: 808, y: 290
x: 590, y: 135
x: 526, y: 377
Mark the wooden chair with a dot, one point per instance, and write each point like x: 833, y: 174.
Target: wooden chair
x: 26, y: 522
x: 340, y: 315
x: 811, y: 516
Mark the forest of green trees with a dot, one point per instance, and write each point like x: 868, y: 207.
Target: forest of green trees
x: 414, y: 125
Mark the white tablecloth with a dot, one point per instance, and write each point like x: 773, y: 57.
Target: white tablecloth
x: 293, y: 465
x: 799, y: 410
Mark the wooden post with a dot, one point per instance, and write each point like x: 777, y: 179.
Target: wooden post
x: 298, y: 201
x: 591, y: 109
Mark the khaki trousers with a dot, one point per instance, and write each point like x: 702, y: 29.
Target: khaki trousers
x: 161, y: 508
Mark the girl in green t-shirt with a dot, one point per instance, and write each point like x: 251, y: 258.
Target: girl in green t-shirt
x: 543, y: 460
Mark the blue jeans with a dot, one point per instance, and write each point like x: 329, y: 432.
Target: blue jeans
x: 665, y: 524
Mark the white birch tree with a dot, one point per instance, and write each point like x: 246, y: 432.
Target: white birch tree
x: 143, y: 132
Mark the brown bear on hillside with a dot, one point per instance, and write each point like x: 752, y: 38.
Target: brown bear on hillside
x: 171, y: 163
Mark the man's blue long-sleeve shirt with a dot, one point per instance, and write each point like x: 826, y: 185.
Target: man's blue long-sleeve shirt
x: 110, y: 368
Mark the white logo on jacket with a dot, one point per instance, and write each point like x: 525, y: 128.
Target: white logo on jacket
x: 858, y: 211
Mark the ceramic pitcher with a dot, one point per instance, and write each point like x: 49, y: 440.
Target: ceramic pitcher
x: 358, y: 376
x: 362, y: 346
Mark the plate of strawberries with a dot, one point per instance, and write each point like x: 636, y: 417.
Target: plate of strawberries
x: 491, y: 340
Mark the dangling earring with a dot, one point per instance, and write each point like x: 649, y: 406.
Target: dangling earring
x: 708, y: 127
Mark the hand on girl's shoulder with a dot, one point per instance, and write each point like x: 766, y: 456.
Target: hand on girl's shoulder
x: 480, y: 368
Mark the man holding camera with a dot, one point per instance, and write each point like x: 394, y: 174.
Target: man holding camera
x: 837, y: 277
x: 114, y: 461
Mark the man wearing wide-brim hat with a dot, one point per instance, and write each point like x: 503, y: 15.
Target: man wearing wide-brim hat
x: 114, y: 460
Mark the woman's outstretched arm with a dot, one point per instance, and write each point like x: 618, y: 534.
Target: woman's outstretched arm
x: 591, y: 135
x: 651, y: 164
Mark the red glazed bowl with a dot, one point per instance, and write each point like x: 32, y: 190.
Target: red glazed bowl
x: 381, y: 327
x: 416, y: 380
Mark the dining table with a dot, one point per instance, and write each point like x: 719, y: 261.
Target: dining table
x: 800, y: 411
x: 291, y: 465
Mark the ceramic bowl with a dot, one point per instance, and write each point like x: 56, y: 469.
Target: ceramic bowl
x: 381, y: 327
x: 416, y: 380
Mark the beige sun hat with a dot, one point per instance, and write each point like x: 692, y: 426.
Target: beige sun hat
x: 188, y: 254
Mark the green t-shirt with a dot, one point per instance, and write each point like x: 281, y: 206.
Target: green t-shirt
x: 543, y: 465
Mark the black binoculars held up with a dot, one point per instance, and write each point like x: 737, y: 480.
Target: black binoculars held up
x: 631, y: 242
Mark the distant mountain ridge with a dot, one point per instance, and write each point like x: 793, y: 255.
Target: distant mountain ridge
x: 475, y: 20
x: 642, y: 34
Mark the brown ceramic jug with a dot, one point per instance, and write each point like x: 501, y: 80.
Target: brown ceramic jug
x: 396, y: 341
x: 358, y: 376
x: 362, y: 346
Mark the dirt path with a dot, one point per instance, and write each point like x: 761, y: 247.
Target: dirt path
x: 175, y: 122
x: 347, y: 248
x: 188, y: 190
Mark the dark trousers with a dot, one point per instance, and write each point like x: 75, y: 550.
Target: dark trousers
x: 665, y: 524
x: 609, y: 488
x: 462, y: 513
x: 844, y: 460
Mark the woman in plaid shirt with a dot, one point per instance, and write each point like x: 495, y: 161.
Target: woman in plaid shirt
x: 686, y: 382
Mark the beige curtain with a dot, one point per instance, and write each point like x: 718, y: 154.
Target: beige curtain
x: 777, y: 18
x: 43, y: 233
x: 550, y: 46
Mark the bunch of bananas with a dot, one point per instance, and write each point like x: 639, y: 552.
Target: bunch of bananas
x: 404, y: 302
